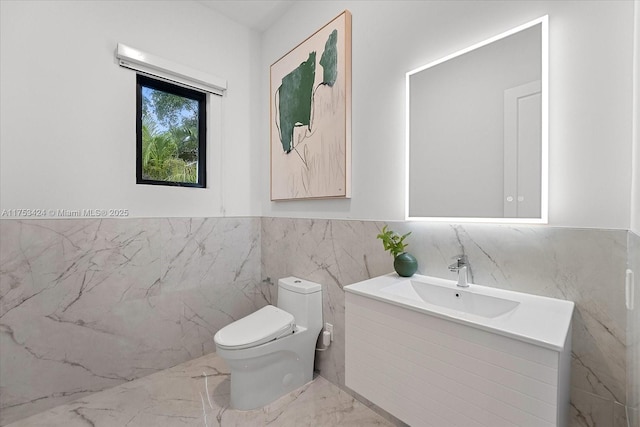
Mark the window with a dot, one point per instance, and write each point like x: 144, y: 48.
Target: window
x: 171, y: 134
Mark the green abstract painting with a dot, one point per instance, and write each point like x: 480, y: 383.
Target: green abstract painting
x: 310, y: 116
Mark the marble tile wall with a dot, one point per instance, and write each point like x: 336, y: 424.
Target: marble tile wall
x: 148, y: 294
x: 586, y: 266
x: 633, y: 335
x: 87, y: 304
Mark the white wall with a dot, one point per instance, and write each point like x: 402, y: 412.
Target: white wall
x: 68, y: 110
x: 67, y: 133
x: 590, y: 104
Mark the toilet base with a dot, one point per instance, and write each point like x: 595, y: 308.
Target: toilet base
x: 259, y: 381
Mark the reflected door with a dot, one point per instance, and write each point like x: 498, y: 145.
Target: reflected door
x: 522, y: 151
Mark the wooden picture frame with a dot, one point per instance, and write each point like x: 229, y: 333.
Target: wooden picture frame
x: 310, y: 116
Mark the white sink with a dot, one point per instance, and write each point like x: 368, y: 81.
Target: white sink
x: 461, y: 299
x: 530, y: 318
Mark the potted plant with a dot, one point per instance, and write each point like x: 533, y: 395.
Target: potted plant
x: 404, y: 263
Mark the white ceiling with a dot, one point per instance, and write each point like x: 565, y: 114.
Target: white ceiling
x: 256, y: 14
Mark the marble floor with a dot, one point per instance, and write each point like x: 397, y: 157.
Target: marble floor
x: 196, y: 393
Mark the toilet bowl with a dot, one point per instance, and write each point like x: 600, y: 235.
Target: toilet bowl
x: 271, y: 351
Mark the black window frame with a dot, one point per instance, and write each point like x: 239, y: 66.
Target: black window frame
x: 201, y: 98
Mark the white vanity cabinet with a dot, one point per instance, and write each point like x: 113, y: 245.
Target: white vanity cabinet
x: 430, y: 369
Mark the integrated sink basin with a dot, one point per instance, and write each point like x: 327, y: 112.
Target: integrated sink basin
x: 465, y: 301
x: 531, y: 318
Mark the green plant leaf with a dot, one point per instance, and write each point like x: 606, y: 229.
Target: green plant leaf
x: 393, y: 242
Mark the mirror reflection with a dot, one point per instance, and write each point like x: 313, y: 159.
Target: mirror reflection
x: 476, y: 131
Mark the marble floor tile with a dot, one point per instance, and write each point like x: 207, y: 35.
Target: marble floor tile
x: 196, y: 393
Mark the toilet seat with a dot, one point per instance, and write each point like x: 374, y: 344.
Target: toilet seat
x: 264, y: 325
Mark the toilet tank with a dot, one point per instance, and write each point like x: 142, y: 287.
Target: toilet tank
x: 303, y: 299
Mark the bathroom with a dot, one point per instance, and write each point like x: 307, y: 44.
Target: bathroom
x: 89, y: 304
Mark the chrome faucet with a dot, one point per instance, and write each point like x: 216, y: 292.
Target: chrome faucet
x: 461, y: 267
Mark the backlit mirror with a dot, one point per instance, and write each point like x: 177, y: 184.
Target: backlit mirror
x: 477, y: 144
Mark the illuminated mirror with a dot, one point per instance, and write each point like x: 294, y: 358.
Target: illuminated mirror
x: 477, y: 144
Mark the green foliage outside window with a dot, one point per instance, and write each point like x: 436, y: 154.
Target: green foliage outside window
x: 169, y: 137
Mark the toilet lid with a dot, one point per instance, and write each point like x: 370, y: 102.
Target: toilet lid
x: 259, y: 327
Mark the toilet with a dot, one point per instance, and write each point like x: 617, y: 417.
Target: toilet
x: 271, y: 351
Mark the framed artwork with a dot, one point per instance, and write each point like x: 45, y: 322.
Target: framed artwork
x: 311, y: 116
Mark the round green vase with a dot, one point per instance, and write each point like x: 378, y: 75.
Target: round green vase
x: 405, y: 264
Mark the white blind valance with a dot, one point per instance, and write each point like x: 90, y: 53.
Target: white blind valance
x: 165, y: 69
